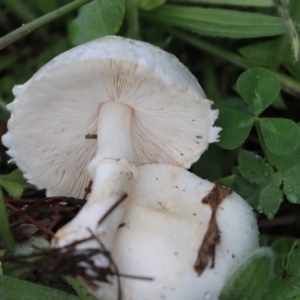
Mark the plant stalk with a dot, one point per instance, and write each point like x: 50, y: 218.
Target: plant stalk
x: 5, y: 232
x: 132, y: 19
x: 289, y: 84
x: 259, y: 134
x: 41, y: 21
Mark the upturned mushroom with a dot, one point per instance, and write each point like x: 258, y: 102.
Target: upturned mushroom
x: 167, y: 234
x: 96, y: 112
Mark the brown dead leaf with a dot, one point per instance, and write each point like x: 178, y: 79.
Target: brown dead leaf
x: 212, y: 236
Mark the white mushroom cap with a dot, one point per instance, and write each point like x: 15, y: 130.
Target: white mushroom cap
x: 162, y: 230
x: 171, y: 122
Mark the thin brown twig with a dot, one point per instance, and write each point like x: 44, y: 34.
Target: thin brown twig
x: 112, y: 208
x: 32, y: 221
x: 51, y: 200
x: 55, y: 222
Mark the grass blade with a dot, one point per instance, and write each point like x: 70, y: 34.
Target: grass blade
x: 218, y: 22
x: 5, y: 231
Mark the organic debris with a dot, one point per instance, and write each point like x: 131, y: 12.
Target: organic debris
x: 71, y: 260
x: 212, y: 236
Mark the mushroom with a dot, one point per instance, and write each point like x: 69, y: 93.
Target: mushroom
x: 96, y: 112
x: 162, y: 230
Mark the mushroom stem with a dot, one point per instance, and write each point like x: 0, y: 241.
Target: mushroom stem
x: 114, y: 132
x: 104, y: 209
x: 112, y: 174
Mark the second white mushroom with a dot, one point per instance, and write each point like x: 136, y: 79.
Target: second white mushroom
x: 162, y: 231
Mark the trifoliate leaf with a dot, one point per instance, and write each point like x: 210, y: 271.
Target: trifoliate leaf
x: 291, y: 185
x: 288, y: 172
x: 253, y: 167
x: 281, y: 136
x: 259, y: 88
x: 235, y: 126
x: 284, y: 181
x: 235, y: 103
x: 249, y: 191
x: 270, y: 198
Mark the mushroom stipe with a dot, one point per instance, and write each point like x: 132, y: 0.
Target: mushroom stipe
x: 112, y: 208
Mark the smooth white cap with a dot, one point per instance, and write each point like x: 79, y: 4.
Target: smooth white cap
x: 53, y: 111
x: 161, y: 233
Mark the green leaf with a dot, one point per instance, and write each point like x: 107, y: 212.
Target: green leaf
x: 285, y: 162
x: 97, y: 19
x: 279, y: 289
x: 217, y: 22
x: 235, y: 103
x: 281, y: 247
x: 14, y: 183
x: 253, y: 167
x: 247, y: 190
x: 291, y: 185
x: 150, y: 4
x: 232, y: 2
x: 5, y: 231
x: 31, y: 246
x: 270, y: 198
x: 259, y: 88
x: 293, y: 261
x: 249, y: 280
x: 288, y: 171
x: 227, y: 181
x: 264, y: 53
x: 235, y: 126
x: 13, y: 289
x: 79, y: 288
x: 270, y: 193
x: 281, y: 136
